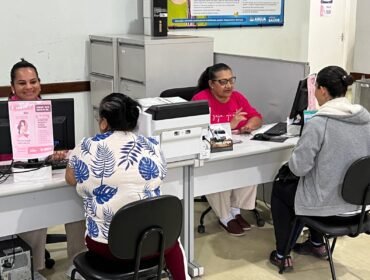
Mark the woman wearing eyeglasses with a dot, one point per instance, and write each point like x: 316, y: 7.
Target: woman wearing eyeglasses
x: 229, y: 106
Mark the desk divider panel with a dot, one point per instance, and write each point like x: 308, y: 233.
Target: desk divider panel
x: 269, y: 84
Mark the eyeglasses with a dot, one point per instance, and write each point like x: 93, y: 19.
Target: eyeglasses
x: 224, y: 82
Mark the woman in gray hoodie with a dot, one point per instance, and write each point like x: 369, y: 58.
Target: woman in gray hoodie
x: 336, y: 136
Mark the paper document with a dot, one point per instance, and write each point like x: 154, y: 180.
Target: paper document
x: 150, y: 101
x: 31, y: 129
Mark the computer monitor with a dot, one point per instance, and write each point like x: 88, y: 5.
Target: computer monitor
x: 63, y: 125
x: 300, y: 103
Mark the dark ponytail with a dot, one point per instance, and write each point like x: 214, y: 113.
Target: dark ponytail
x: 120, y: 111
x: 335, y: 79
x: 210, y: 74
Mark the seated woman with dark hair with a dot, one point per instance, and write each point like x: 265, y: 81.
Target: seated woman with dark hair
x: 229, y: 106
x: 115, y: 168
x: 26, y: 86
x: 336, y: 136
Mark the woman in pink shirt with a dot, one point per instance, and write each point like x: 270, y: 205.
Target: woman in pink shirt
x: 229, y: 106
x: 25, y: 86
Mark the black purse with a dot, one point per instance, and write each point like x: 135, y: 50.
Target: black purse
x: 285, y: 175
x: 285, y: 183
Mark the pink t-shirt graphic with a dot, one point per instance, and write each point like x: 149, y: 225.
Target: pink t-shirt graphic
x: 224, y: 112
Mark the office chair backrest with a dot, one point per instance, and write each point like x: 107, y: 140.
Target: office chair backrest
x: 357, y: 182
x: 187, y: 92
x: 133, y: 219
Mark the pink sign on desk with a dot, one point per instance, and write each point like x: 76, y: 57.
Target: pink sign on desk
x: 31, y: 128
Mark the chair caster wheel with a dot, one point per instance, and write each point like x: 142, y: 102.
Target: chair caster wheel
x: 260, y: 222
x: 49, y: 263
x: 201, y: 229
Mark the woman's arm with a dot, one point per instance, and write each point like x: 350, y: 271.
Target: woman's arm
x: 70, y: 176
x: 254, y: 117
x: 252, y: 124
x: 308, y: 147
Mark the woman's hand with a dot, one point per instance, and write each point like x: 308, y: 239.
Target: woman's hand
x: 70, y: 176
x: 238, y: 117
x: 253, y: 124
x: 59, y: 155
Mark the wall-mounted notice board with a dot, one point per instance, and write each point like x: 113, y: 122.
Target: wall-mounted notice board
x: 224, y: 13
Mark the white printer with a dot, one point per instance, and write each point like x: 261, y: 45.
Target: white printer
x: 177, y: 124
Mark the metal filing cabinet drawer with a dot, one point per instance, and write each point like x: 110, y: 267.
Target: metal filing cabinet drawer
x: 102, y: 58
x: 133, y: 89
x: 131, y: 62
x: 100, y: 87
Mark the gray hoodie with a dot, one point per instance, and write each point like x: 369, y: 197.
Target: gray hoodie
x: 335, y: 137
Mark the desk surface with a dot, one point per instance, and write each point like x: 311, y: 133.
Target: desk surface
x: 252, y: 147
x: 9, y: 187
x: 251, y: 162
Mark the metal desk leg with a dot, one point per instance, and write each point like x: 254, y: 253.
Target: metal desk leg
x: 188, y: 235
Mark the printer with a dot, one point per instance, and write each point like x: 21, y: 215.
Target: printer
x: 178, y: 125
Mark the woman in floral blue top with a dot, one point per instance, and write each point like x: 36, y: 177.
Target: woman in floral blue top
x: 115, y: 168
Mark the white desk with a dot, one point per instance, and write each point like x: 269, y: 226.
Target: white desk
x: 33, y: 205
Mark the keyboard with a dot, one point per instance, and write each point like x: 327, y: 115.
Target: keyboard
x: 58, y: 164
x: 277, y: 130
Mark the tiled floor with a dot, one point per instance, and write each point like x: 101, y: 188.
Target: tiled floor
x: 238, y: 258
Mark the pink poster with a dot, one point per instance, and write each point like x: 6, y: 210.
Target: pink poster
x: 31, y: 128
x: 311, y: 87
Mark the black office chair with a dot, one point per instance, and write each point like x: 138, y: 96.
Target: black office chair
x: 355, y: 190
x: 187, y: 93
x: 139, y: 229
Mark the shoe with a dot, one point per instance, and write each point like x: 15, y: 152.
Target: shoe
x: 288, y: 263
x: 242, y: 223
x: 77, y: 275
x: 307, y: 248
x: 233, y: 228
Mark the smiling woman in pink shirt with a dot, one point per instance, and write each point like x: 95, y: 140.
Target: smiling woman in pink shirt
x: 25, y: 86
x: 216, y: 84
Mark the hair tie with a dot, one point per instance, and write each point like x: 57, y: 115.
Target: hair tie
x: 344, y: 77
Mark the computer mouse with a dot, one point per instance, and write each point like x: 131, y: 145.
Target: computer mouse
x: 261, y: 137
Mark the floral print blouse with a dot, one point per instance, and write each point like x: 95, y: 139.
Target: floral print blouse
x: 113, y: 169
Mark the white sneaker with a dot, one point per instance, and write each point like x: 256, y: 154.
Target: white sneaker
x: 77, y: 275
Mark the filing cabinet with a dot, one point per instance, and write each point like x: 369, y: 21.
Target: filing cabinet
x: 144, y: 66
x: 361, y: 93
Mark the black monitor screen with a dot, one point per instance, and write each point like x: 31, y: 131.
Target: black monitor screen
x: 300, y: 102
x: 63, y: 125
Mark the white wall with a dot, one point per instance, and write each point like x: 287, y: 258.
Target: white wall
x: 53, y: 34
x: 288, y: 42
x: 326, y: 45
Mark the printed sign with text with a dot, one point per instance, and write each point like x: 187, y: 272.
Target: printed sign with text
x: 31, y: 128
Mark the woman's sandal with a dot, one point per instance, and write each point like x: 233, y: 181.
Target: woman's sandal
x: 288, y: 263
